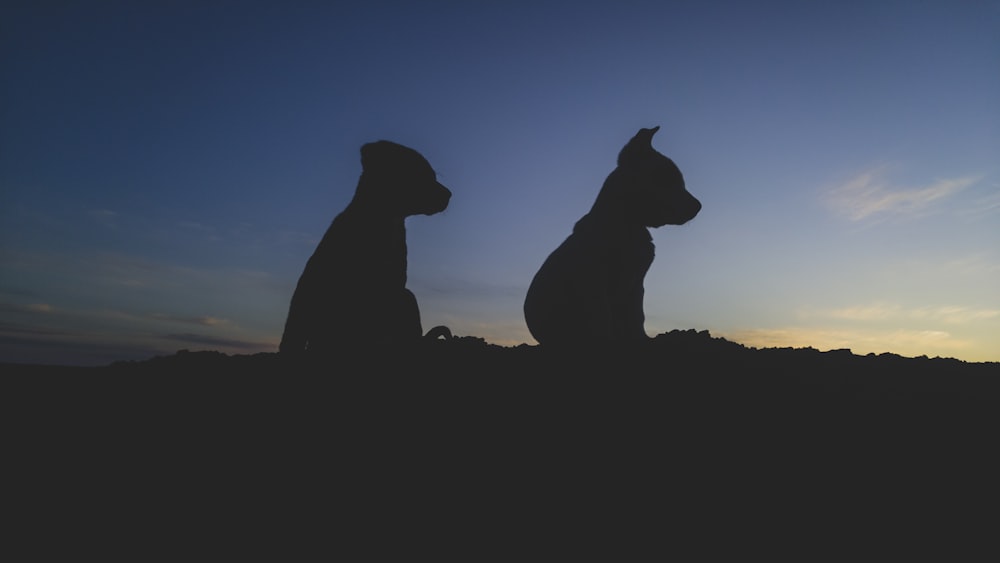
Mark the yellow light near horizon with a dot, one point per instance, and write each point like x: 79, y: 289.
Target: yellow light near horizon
x: 905, y: 342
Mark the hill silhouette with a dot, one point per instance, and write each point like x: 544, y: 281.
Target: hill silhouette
x: 678, y: 362
x: 477, y: 438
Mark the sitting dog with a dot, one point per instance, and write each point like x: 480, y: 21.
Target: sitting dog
x: 352, y: 292
x: 589, y: 290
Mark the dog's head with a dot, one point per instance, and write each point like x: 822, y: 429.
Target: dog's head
x: 651, y: 188
x: 400, y: 180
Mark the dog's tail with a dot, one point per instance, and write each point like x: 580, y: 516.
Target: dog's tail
x: 439, y: 331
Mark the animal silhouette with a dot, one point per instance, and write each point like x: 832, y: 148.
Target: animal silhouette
x: 352, y: 293
x: 590, y: 289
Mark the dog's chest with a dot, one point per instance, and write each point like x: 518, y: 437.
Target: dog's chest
x: 364, y: 253
x: 388, y: 256
x: 626, y: 251
x: 615, y: 262
x: 628, y: 261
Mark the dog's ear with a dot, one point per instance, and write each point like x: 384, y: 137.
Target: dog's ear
x: 388, y: 159
x: 373, y: 154
x: 638, y: 147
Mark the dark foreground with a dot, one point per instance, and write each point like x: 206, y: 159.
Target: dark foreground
x: 458, y: 440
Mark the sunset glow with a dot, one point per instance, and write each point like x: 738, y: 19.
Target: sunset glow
x: 167, y: 169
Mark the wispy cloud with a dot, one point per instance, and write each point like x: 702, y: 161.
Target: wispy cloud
x: 202, y: 321
x: 861, y: 341
x: 104, y: 216
x: 985, y: 205
x: 95, y: 337
x: 882, y: 311
x: 871, y: 194
x: 974, y: 264
x: 73, y: 346
x: 220, y: 343
x: 14, y: 329
x: 19, y: 292
x: 28, y: 308
x: 102, y: 317
x: 133, y: 272
x: 954, y: 315
x: 872, y: 312
x: 205, y: 232
x: 136, y: 320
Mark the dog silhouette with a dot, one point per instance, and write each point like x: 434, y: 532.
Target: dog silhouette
x: 352, y: 293
x: 590, y: 289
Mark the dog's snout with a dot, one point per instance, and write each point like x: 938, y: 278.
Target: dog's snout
x: 691, y: 209
x: 445, y: 194
x: 437, y: 200
x: 676, y: 211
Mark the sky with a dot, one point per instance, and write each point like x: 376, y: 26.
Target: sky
x: 167, y: 168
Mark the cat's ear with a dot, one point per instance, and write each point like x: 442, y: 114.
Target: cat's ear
x: 639, y: 146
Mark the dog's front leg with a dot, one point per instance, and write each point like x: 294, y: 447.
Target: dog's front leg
x: 409, y: 322
x: 599, y: 317
x: 633, y: 324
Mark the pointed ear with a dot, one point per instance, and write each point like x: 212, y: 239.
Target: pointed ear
x: 638, y: 146
x: 371, y: 154
x: 645, y: 137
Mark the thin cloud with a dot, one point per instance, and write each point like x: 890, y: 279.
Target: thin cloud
x: 19, y: 292
x: 201, y: 230
x: 132, y: 317
x: 19, y: 330
x: 215, y: 342
x: 991, y: 202
x: 986, y: 205
x: 29, y: 308
x: 954, y: 315
x: 121, y: 270
x: 973, y: 265
x: 874, y: 312
x: 201, y: 321
x: 871, y: 195
x: 297, y: 238
x: 880, y: 311
x: 102, y: 215
x: 105, y: 217
x: 85, y: 337
x: 976, y: 264
x: 906, y: 342
x: 73, y: 349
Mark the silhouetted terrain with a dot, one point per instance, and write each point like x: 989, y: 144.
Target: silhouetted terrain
x: 463, y: 438
x: 689, y: 364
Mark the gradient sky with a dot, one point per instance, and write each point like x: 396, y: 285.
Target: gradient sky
x: 167, y: 168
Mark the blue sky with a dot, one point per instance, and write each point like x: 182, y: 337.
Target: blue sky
x: 166, y: 168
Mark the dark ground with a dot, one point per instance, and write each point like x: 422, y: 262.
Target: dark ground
x: 689, y: 437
